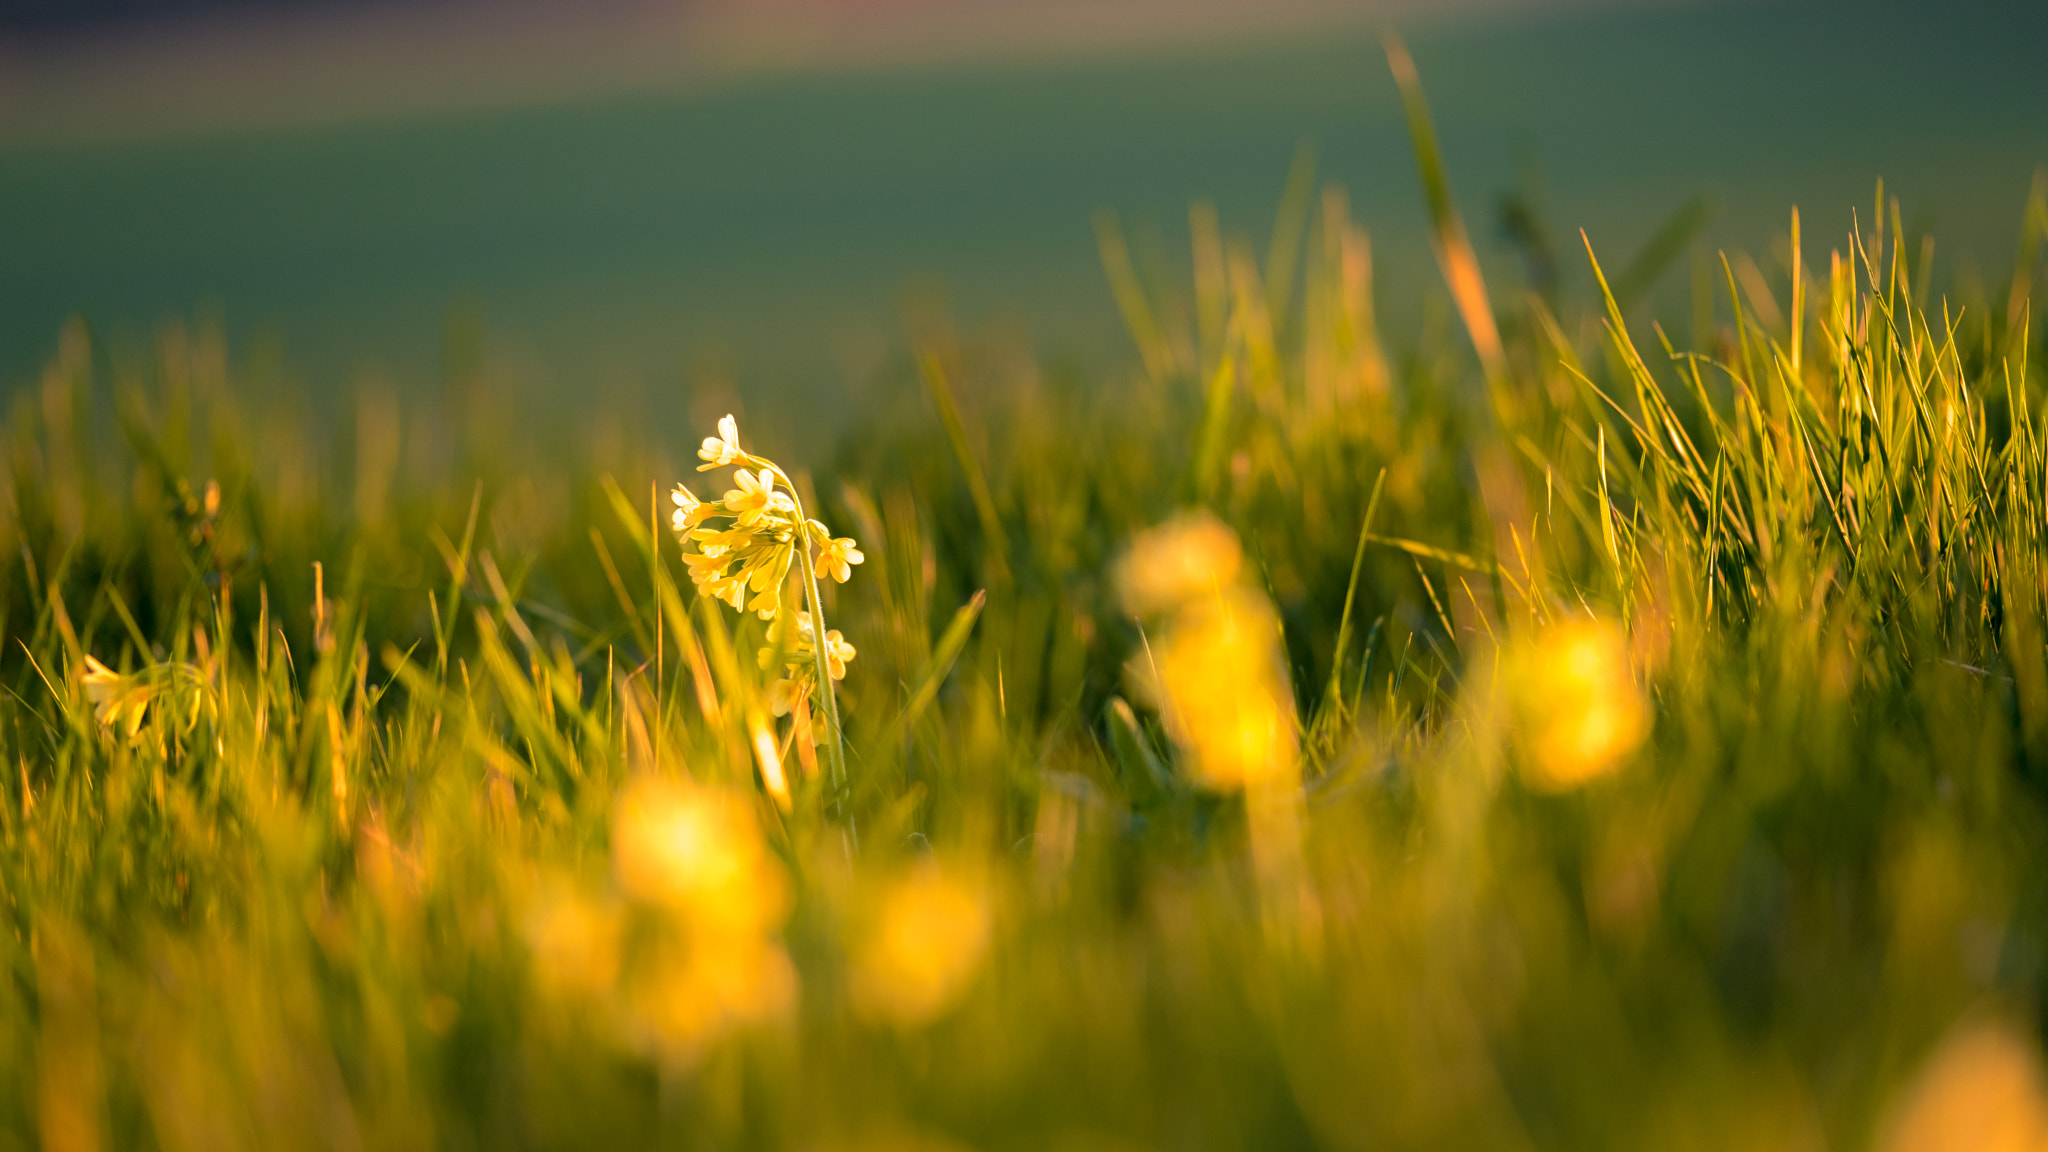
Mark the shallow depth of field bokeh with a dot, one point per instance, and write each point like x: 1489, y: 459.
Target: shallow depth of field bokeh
x: 1469, y: 688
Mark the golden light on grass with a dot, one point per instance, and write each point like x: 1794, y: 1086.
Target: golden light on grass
x: 1577, y: 709
x: 697, y: 852
x: 923, y: 949
x: 1981, y: 1091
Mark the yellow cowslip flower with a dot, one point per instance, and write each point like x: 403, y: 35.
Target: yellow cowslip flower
x: 765, y: 569
x: 1577, y: 708
x: 698, y: 853
x: 1222, y: 690
x: 752, y: 500
x: 730, y: 589
x: 784, y: 695
x: 722, y: 449
x: 837, y: 557
x: 705, y: 568
x: 116, y: 699
x: 922, y: 951
x: 690, y: 511
x: 791, y: 696
x: 722, y: 541
x: 789, y: 640
x: 837, y: 653
x: 1981, y: 1091
x: 102, y: 685
x: 1191, y: 555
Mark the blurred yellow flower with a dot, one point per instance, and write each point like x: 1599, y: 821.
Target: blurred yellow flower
x: 1222, y: 690
x: 1188, y: 556
x: 1980, y: 1091
x: 1577, y: 708
x: 574, y: 941
x: 837, y: 653
x: 923, y: 950
x: 697, y: 852
x: 102, y: 686
x: 799, y: 657
x: 1213, y: 666
x: 120, y: 701
x: 784, y: 695
x: 683, y: 1003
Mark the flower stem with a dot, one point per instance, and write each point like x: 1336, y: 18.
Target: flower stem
x: 835, y: 756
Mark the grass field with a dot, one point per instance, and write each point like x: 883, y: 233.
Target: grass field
x: 1511, y: 732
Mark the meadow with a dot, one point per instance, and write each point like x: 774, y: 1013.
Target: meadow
x: 1538, y: 728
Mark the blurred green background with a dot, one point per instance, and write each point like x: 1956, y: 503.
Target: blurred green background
x: 768, y: 223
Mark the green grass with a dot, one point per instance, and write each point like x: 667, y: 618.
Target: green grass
x: 358, y: 877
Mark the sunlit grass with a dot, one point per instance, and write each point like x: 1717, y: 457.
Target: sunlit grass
x: 1534, y: 736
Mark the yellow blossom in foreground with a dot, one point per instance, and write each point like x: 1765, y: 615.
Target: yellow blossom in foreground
x: 923, y: 950
x: 698, y: 852
x: 1189, y: 556
x: 784, y: 695
x: 1223, y: 690
x: 1578, y: 710
x: 681, y: 1003
x: 120, y: 701
x: 1981, y: 1091
x: 574, y: 941
x: 102, y: 685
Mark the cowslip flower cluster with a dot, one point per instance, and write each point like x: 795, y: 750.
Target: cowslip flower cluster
x: 744, y: 548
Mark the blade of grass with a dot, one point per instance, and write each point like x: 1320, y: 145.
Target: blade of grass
x: 1372, y: 503
x: 941, y: 392
x: 1453, y: 248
